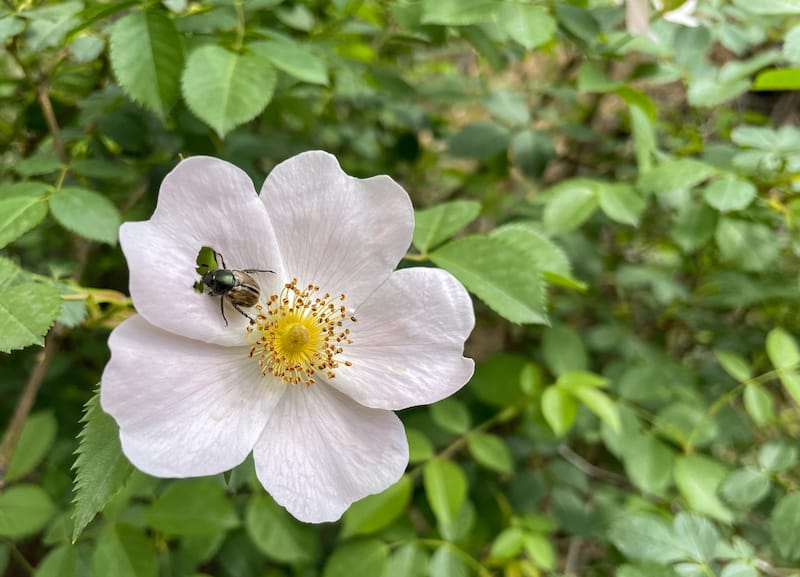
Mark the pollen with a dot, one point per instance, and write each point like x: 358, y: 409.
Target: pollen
x: 299, y: 333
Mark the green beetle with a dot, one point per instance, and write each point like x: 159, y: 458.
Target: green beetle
x: 237, y: 286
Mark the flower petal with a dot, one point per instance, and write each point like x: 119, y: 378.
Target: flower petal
x: 683, y: 14
x: 184, y: 408
x: 342, y: 233
x: 320, y: 452
x: 408, y: 342
x: 203, y: 202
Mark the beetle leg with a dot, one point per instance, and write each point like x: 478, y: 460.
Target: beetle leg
x: 244, y: 314
x: 222, y: 310
x: 249, y: 270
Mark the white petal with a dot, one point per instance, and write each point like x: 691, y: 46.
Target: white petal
x: 184, y: 408
x: 321, y: 451
x: 683, y: 14
x: 342, y: 233
x: 408, y: 342
x: 203, y: 202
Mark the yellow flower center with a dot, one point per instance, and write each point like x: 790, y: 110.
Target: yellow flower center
x: 299, y: 333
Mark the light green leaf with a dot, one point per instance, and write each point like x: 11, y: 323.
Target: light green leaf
x: 784, y: 527
x: 10, y: 26
x: 367, y: 557
x: 192, y: 506
x: 293, y: 58
x: 600, y: 404
x: 446, y: 563
x: 778, y: 79
x: 532, y: 151
x: 438, y: 223
x: 559, y: 409
x: 734, y: 365
x: 499, y: 273
x: 124, y: 551
x: 698, y: 478
x: 147, y: 58
x: 446, y: 488
x: 226, y: 89
x: 457, y: 12
x: 791, y: 45
x: 745, y: 487
x: 86, y: 213
x: 645, y: 537
x: 782, y: 350
x: 479, y: 140
x: 277, y: 534
x: 510, y: 108
x: 648, y: 462
x: 507, y: 544
x: 420, y: 447
x: 563, y: 350
x: 101, y: 470
x: 24, y: 511
x: 18, y: 215
x: 59, y: 562
x: 375, y: 512
x: 644, y: 138
x: 86, y: 48
x: 749, y: 245
x: 408, y: 561
x: 697, y: 536
x: 452, y: 415
x: 27, y: 311
x: 777, y: 456
x: 758, y: 404
x: 729, y: 193
x: 49, y: 24
x: 680, y: 174
x: 694, y: 226
x: 621, y: 203
x: 528, y: 24
x: 777, y: 7
x: 491, y: 452
x: 35, y: 440
x: 37, y: 164
x: 570, y: 204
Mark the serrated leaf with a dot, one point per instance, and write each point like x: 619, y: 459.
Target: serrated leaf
x: 528, y: 24
x: 698, y: 478
x: 375, y: 512
x: 293, y: 58
x: 86, y: 213
x: 277, y: 534
x: 499, y: 273
x: 101, y: 470
x: 27, y: 311
x: 35, y: 440
x: 125, y: 551
x: 147, y: 58
x: 559, y: 409
x: 491, y: 452
x: 446, y: 488
x: 437, y: 223
x: 367, y: 557
x: 192, y: 507
x: 18, y: 215
x: 226, y: 89
x: 570, y: 204
x: 729, y: 193
x: 621, y: 203
x: 24, y: 511
x: 479, y: 140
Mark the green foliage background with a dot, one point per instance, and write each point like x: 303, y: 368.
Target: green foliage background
x: 624, y: 209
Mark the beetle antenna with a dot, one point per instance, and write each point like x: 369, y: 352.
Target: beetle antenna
x: 221, y: 258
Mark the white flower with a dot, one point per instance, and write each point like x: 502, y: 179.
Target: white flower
x: 306, y: 388
x: 637, y: 15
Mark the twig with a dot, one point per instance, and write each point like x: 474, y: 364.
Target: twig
x: 43, y: 95
x: 26, y: 400
x: 573, y: 556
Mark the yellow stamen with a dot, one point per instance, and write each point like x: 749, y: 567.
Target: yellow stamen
x: 299, y: 333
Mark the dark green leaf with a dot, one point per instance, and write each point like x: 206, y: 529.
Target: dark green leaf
x: 34, y: 442
x: 784, y: 527
x: 277, y: 534
x: 479, y: 140
x: 24, y: 511
x: 192, y: 506
x: 125, y: 551
x: 563, y: 350
x: 375, y: 512
x: 357, y: 559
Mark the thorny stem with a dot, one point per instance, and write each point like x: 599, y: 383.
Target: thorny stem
x: 26, y: 400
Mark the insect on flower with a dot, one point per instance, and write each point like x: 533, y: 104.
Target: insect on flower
x: 237, y: 286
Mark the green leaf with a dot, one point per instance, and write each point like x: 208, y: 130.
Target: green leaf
x: 777, y: 7
x: 446, y: 488
x: 570, y: 204
x: 511, y: 108
x: 758, y: 404
x: 35, y: 440
x: 784, y: 527
x: 101, y: 470
x: 648, y: 462
x: 86, y: 213
x: 452, y: 415
x: 749, y: 245
x: 791, y: 45
x: 293, y: 58
x: 438, y: 223
x: 18, y: 215
x: 491, y: 452
x: 621, y: 203
x: 507, y: 544
x: 645, y: 537
x: 375, y: 512
x: 420, y: 447
x: 729, y: 193
x: 59, y: 562
x: 777, y: 456
x: 226, y: 89
x: 124, y: 551
x: 191, y: 507
x: 539, y: 548
x: 694, y: 226
x: 147, y: 58
x: 745, y: 487
x: 778, y: 79
x: 680, y: 174
x: 698, y: 478
x: 644, y: 137
x: 499, y: 273
x: 600, y: 404
x: 528, y: 24
x: 277, y: 534
x: 446, y: 563
x: 37, y: 164
x: 24, y: 511
x: 559, y: 409
x: 10, y: 26
x: 532, y: 151
x: 457, y: 12
x: 497, y: 380
x: 408, y: 561
x: 697, y: 536
x: 27, y: 311
x: 782, y: 350
x: 479, y: 140
x: 563, y: 350
x: 734, y: 365
x: 85, y: 49
x: 366, y: 557
x: 50, y: 24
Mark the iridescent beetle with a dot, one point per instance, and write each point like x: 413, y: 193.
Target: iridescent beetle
x: 237, y: 286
